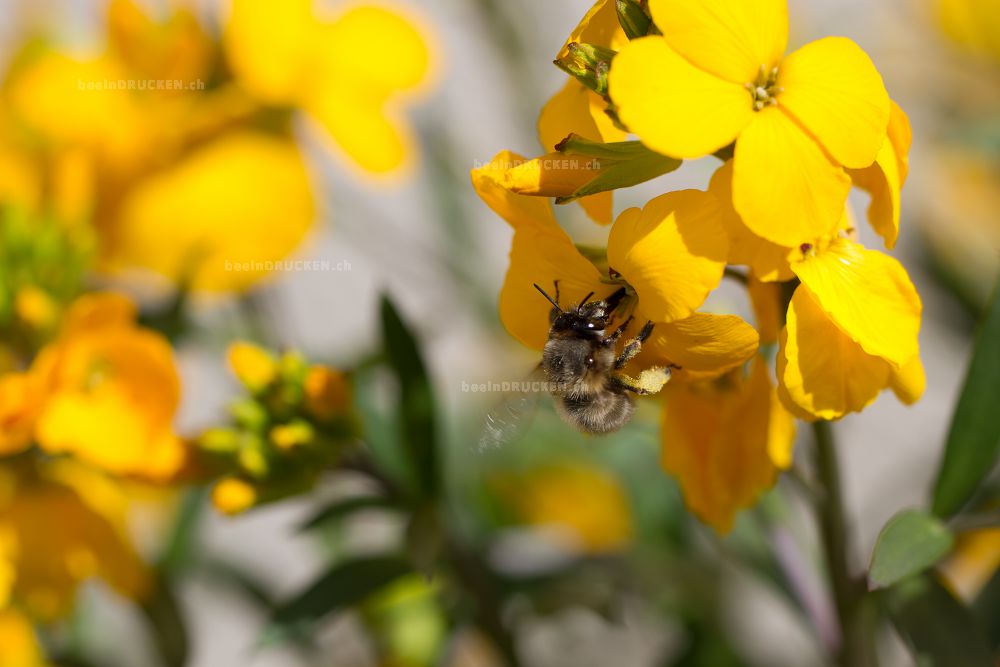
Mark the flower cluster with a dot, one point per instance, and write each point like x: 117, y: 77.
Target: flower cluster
x: 180, y: 146
x: 295, y: 423
x: 794, y: 133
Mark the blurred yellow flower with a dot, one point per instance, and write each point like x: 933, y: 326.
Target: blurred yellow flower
x: 581, y: 506
x: 91, y: 541
x: 350, y: 71
x: 233, y: 496
x: 973, y: 24
x: 328, y: 392
x: 725, y: 440
x: 974, y: 560
x: 220, y: 219
x: 253, y: 366
x: 19, y: 646
x: 109, y: 391
x: 718, y: 74
x: 20, y: 398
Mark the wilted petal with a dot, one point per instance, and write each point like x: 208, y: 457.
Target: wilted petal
x: 725, y: 441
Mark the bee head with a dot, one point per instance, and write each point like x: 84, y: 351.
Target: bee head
x: 587, y: 319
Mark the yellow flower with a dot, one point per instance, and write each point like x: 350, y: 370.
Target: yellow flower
x: 671, y: 253
x: 974, y: 560
x: 110, y: 391
x: 851, y: 331
x: 350, y: 71
x: 327, y: 392
x: 973, y: 24
x: 91, y: 541
x: 725, y: 440
x: 222, y: 217
x: 19, y: 646
x: 233, y: 496
x: 718, y: 74
x: 578, y: 504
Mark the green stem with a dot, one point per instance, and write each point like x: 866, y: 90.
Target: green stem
x: 853, y: 608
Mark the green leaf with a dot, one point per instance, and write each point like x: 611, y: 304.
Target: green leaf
x: 625, y: 174
x: 344, y: 586
x: 940, y: 630
x: 574, y: 144
x: 909, y: 543
x: 974, y: 439
x: 416, y: 399
x: 633, y: 20
x: 343, y: 507
x: 163, y: 616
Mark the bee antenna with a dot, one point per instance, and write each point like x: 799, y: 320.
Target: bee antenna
x: 585, y: 300
x: 550, y: 299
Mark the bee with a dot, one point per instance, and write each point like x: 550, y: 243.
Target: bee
x: 584, y: 371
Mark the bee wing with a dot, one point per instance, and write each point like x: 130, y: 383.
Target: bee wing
x: 511, y: 417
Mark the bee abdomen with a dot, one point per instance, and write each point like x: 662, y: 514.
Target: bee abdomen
x: 604, y: 412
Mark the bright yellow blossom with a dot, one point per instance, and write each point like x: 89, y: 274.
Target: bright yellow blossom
x: 91, y: 541
x: 349, y: 71
x: 110, y: 390
x: 718, y: 75
x: 672, y: 253
x: 253, y: 366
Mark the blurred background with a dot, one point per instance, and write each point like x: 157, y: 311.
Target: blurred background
x: 421, y: 235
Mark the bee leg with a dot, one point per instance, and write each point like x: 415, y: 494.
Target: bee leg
x: 650, y: 381
x: 633, y: 346
x: 616, y: 334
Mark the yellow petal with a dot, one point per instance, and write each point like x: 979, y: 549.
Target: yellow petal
x: 909, y: 382
x: 20, y: 397
x: 19, y: 646
x: 490, y: 183
x: 599, y: 26
x: 552, y: 175
x: 835, y: 92
x: 884, y: 179
x: 868, y: 295
x: 374, y: 48
x: 674, y: 107
x: 673, y: 252
x: 825, y: 373
x: 731, y: 39
x: 368, y: 129
x: 270, y: 47
x: 703, y: 345
x: 541, y: 253
x: 768, y: 261
x: 575, y: 109
x: 222, y: 217
x: 785, y: 188
x: 720, y: 440
x: 973, y: 562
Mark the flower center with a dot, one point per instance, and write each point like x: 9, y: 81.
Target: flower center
x: 765, y: 90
